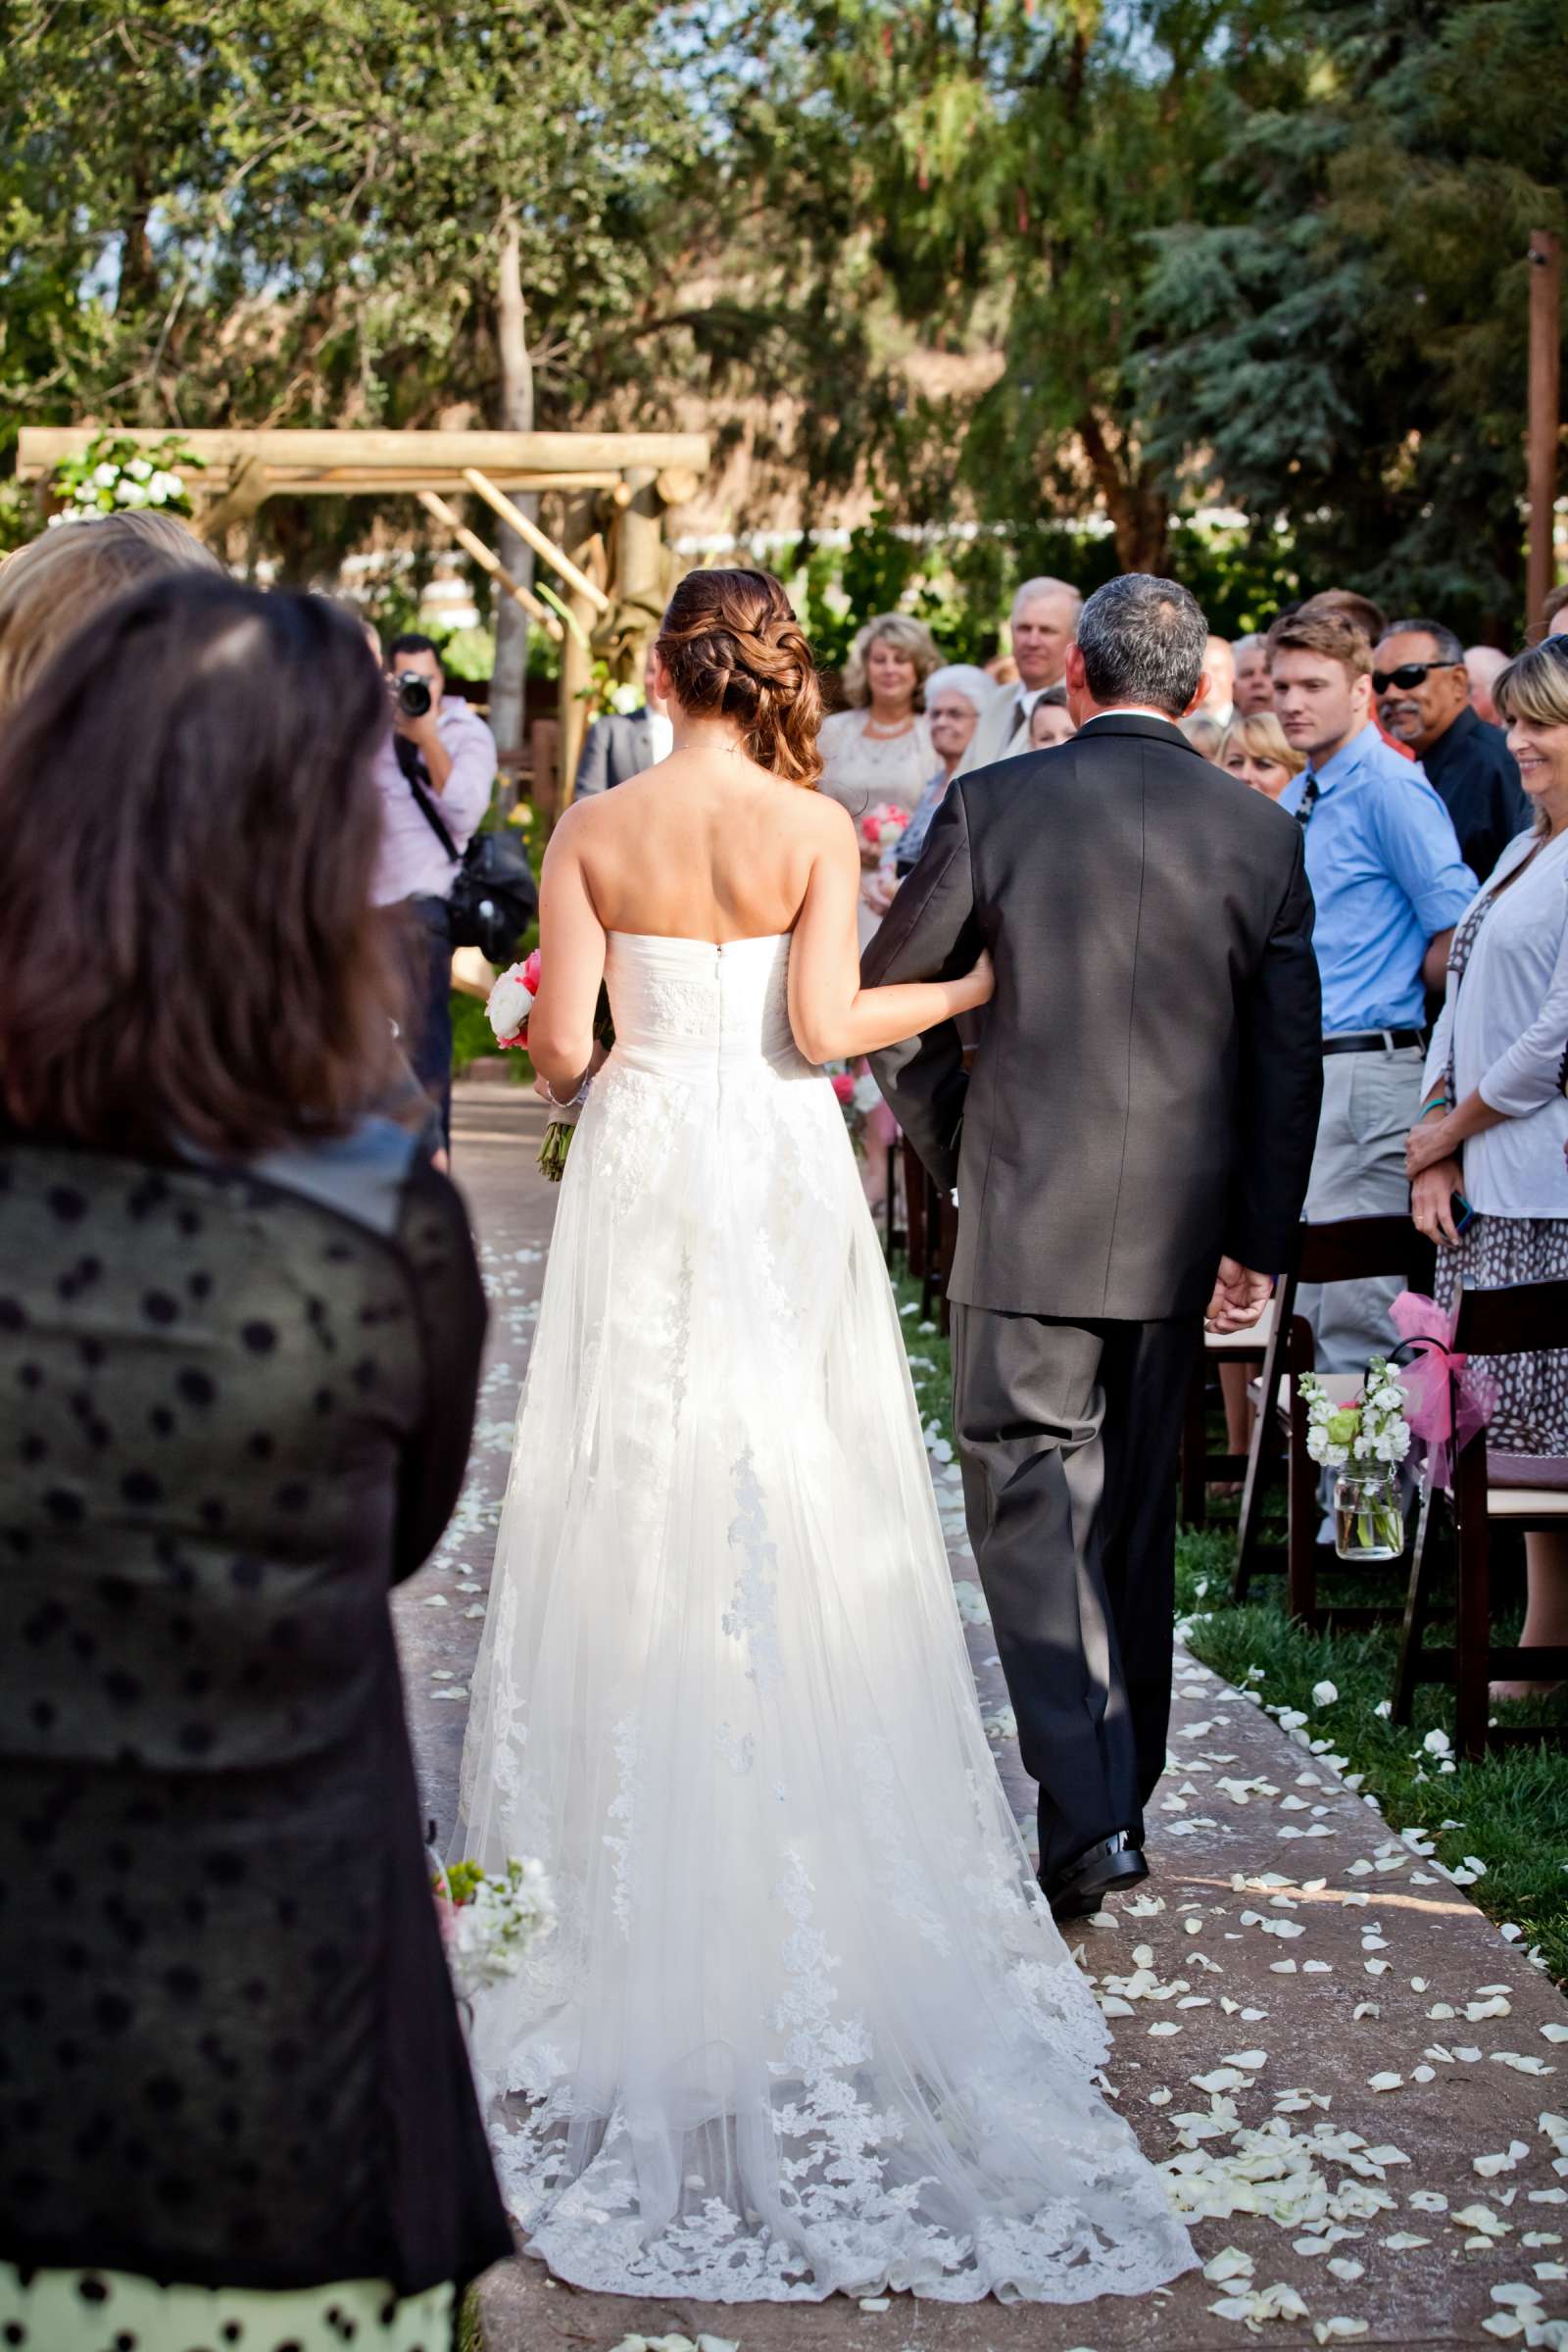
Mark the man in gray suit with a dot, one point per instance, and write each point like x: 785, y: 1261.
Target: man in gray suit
x: 621, y: 744
x: 1131, y: 1153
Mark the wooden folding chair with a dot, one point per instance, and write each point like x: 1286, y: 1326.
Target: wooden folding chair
x: 1344, y: 1250
x: 1197, y: 1465
x: 1488, y: 1491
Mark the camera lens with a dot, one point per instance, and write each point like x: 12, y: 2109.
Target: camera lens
x: 413, y: 693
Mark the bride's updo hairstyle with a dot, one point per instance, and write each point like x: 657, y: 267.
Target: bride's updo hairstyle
x: 735, y: 649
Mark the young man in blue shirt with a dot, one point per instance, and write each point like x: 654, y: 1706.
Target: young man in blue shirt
x: 1388, y: 885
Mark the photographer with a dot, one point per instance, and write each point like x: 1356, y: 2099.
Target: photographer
x: 435, y: 770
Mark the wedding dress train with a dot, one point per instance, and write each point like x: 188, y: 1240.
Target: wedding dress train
x: 806, y: 2024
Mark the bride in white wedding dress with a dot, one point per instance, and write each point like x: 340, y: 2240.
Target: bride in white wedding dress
x: 806, y: 2024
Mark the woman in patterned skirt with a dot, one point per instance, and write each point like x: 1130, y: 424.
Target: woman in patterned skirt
x: 1494, y: 1122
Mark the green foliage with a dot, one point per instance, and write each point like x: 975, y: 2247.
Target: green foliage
x: 1341, y: 341
x: 115, y: 473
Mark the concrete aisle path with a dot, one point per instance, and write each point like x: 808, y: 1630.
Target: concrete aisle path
x: 1362, y: 2083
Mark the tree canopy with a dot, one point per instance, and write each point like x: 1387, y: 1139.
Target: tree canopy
x: 1253, y: 252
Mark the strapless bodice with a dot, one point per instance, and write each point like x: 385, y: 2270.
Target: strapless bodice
x: 686, y: 1009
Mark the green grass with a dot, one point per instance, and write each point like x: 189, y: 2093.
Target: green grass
x: 469, y: 2338
x: 1511, y: 1811
x: 930, y: 1355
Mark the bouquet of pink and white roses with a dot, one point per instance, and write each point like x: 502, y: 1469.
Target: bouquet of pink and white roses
x: 883, y: 827
x: 510, y: 1002
x: 858, y: 1095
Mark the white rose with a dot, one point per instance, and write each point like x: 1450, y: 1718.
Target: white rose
x: 139, y: 470
x: 867, y: 1093
x: 510, y: 1003
x: 106, y: 477
x: 165, y: 486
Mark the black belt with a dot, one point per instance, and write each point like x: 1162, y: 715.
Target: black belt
x: 1373, y: 1040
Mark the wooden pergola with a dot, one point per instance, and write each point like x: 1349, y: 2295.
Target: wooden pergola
x: 607, y: 551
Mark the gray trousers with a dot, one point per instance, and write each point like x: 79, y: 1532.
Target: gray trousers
x: 1369, y: 1107
x: 1067, y: 1433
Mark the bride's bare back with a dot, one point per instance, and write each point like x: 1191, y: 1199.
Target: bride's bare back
x: 717, y: 844
x: 705, y: 846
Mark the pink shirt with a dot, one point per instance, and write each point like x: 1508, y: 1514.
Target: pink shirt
x: 411, y: 863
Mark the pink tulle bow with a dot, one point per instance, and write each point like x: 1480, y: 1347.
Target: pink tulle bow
x: 1449, y: 1400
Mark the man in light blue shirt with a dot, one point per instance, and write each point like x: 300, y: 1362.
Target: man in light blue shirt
x: 1388, y: 885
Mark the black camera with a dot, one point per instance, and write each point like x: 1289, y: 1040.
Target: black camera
x: 413, y: 692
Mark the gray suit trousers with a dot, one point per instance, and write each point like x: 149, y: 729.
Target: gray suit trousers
x: 1067, y: 1433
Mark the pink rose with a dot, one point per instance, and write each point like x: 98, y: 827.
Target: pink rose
x: 843, y: 1087
x: 530, y: 975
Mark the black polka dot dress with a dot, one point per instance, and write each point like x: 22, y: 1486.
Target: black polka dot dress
x: 236, y: 1409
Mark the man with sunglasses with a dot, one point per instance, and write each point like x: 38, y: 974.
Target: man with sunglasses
x: 1422, y: 688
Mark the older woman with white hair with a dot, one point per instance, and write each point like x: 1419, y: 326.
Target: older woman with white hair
x: 955, y: 699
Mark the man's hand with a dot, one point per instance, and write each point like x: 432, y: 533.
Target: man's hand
x: 1240, y: 1298
x: 424, y: 734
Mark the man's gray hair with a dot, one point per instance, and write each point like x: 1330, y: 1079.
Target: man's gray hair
x: 1444, y: 644
x: 1143, y: 639
x: 1246, y: 644
x: 1045, y: 587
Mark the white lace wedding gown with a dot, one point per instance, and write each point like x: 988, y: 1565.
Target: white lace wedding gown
x: 805, y: 2023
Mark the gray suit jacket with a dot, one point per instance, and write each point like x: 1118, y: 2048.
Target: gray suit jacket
x: 1145, y: 1096
x: 614, y: 748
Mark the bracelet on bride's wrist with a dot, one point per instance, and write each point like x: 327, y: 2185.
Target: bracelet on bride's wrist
x: 572, y: 1102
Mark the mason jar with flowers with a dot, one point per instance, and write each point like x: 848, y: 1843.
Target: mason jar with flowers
x: 1365, y: 1442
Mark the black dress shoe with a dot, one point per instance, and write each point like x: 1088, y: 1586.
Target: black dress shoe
x: 1077, y: 1891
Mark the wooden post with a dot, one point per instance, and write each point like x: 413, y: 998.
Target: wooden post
x: 640, y: 547
x: 488, y: 560
x: 1546, y: 353
x: 576, y: 661
x: 538, y: 540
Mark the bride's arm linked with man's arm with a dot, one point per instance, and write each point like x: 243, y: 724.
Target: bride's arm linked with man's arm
x: 834, y: 1017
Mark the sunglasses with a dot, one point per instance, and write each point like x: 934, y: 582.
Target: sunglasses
x: 1409, y: 675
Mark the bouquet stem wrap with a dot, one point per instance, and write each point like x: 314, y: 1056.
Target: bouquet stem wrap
x: 1451, y: 1400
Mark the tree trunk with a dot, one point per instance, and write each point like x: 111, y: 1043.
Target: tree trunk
x: 509, y: 680
x: 1134, y: 496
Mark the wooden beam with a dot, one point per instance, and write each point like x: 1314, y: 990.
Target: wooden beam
x: 488, y: 560
x: 354, y: 482
x: 1546, y: 358
x: 539, y: 541
x: 308, y: 450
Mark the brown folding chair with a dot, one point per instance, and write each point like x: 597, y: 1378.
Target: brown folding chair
x: 1488, y: 1492
x: 1344, y: 1250
x: 1197, y: 1465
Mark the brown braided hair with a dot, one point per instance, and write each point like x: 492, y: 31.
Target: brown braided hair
x: 734, y: 649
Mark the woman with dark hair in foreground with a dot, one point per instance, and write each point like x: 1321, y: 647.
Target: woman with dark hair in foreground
x: 239, y: 1339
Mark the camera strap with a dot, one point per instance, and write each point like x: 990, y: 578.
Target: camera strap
x: 417, y: 777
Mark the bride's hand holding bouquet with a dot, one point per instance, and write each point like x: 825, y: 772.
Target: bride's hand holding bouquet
x: 508, y: 1009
